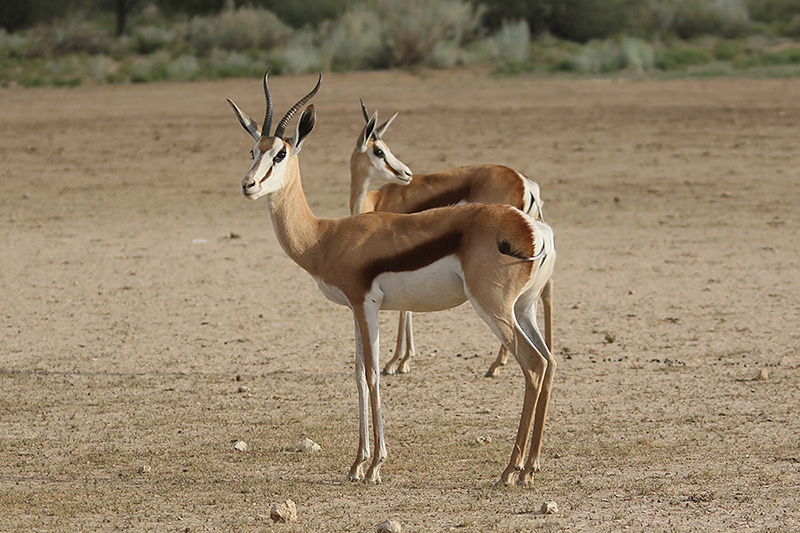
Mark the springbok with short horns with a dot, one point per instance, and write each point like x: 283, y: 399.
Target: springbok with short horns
x: 495, y: 256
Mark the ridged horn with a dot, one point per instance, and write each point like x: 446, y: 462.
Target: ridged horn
x: 364, y: 110
x: 268, y: 116
x: 289, y: 114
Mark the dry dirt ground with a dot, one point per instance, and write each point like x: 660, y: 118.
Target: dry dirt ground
x: 137, y: 285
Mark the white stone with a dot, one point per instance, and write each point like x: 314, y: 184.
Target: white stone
x: 283, y: 512
x: 309, y: 446
x: 390, y: 526
x: 240, y: 446
x: 549, y: 508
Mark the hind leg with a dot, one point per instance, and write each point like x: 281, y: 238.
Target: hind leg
x: 547, y: 304
x: 501, y: 320
x: 500, y: 360
x: 527, y: 320
x: 409, y: 348
x: 401, y: 349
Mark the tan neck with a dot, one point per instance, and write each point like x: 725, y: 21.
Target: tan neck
x: 296, y: 227
x: 360, y: 197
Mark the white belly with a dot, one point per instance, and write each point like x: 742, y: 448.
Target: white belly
x: 435, y: 287
x: 332, y: 293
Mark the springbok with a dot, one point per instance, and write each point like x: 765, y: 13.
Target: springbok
x: 381, y: 182
x: 495, y: 256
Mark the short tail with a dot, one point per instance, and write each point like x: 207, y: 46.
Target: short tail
x: 505, y: 248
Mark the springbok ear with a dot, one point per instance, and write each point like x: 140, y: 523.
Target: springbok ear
x: 249, y: 125
x: 304, y: 127
x: 366, y: 133
x: 380, y: 130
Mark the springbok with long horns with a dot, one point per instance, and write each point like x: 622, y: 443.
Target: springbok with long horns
x: 495, y: 256
x: 381, y: 182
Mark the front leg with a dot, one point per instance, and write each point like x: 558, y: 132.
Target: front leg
x: 357, y: 469
x: 367, y: 325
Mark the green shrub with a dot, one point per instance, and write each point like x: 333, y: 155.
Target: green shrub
x: 13, y: 44
x: 66, y: 37
x: 511, y: 45
x: 681, y: 57
x: 237, y: 29
x: 611, y: 55
x: 151, y: 68
x: 786, y: 56
x: 691, y: 18
x: 302, y: 54
x: 148, y: 39
x: 227, y: 64
x: 353, y: 41
x: 184, y: 68
x: 413, y: 28
x: 727, y: 50
x: 577, y: 20
x: 776, y: 13
x: 302, y: 13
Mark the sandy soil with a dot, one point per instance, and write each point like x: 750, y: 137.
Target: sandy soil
x: 137, y: 285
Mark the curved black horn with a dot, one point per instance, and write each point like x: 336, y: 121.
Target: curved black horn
x: 268, y: 117
x: 289, y: 114
x: 364, y: 110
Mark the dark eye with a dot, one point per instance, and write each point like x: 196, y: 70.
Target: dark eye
x: 378, y: 152
x: 279, y: 156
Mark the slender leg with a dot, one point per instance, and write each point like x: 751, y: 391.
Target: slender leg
x: 409, y: 333
x: 547, y: 301
x: 531, y: 329
x: 533, y: 368
x: 500, y: 360
x: 501, y: 320
x: 357, y: 469
x: 367, y: 323
x: 400, y: 348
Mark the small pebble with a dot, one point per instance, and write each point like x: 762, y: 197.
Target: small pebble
x: 242, y: 389
x: 144, y: 469
x: 390, y: 526
x: 763, y: 375
x: 483, y: 440
x: 309, y: 446
x: 283, y: 512
x: 549, y: 508
x: 240, y: 446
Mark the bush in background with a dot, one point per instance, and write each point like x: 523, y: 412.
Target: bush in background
x: 237, y: 29
x: 630, y: 54
x: 413, y: 28
x: 510, y: 46
x: 68, y: 36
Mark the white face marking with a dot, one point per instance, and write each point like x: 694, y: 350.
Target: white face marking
x: 435, y: 287
x: 268, y: 171
x: 384, y: 166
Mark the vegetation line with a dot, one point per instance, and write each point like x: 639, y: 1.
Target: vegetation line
x: 74, y: 42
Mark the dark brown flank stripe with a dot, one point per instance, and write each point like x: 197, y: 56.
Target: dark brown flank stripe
x: 415, y: 258
x: 451, y: 197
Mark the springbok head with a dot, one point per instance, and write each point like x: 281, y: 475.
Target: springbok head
x: 372, y: 159
x: 272, y: 153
